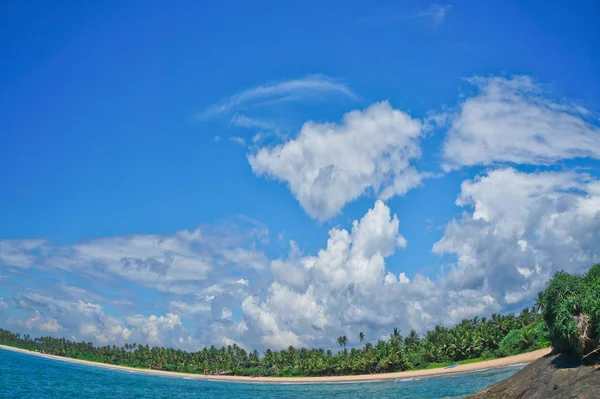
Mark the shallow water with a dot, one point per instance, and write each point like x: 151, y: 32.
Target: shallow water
x: 26, y: 376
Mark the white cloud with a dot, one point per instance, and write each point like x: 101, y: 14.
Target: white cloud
x: 198, y: 275
x: 403, y: 279
x: 358, y: 257
x: 435, y: 12
x: 88, y: 321
x: 50, y: 325
x: 20, y: 253
x: 156, y: 330
x: 41, y: 323
x: 346, y: 289
x: 315, y: 296
x: 238, y: 140
x: 181, y: 263
x: 189, y: 308
x: 266, y: 95
x: 242, y: 120
x: 390, y: 278
x: 514, y: 120
x: 328, y: 165
x: 290, y: 271
x: 226, y: 313
x: 523, y: 227
x: 432, y: 15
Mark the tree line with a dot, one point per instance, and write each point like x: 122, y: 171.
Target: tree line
x: 474, y: 338
x: 556, y: 317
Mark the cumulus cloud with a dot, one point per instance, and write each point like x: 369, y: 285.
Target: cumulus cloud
x: 313, y: 296
x: 514, y: 120
x: 328, y: 165
x: 346, y: 288
x: 155, y: 329
x: 521, y: 229
x: 89, y: 322
x: 39, y: 322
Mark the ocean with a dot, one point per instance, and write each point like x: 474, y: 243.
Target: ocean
x: 25, y: 376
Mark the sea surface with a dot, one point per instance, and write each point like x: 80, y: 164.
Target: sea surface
x: 27, y: 376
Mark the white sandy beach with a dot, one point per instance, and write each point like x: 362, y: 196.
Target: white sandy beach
x: 507, y: 361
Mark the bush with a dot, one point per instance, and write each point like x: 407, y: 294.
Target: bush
x: 487, y: 354
x: 511, y: 344
x: 571, y: 309
x: 418, y: 359
x: 524, y: 339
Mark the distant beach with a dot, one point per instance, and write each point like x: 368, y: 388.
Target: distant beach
x: 487, y: 364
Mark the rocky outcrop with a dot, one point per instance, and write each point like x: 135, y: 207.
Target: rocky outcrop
x: 555, y: 376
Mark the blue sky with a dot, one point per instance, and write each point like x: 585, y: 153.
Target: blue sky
x: 124, y: 124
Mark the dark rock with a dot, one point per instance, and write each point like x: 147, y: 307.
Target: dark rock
x: 555, y: 376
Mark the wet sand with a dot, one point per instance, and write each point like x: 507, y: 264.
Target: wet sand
x: 487, y: 364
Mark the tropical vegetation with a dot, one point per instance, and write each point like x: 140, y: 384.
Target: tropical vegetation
x: 567, y: 314
x: 571, y: 308
x: 471, y: 339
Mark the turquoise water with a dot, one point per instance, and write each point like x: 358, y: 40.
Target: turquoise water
x: 26, y: 376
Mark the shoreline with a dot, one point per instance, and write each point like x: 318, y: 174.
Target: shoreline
x: 486, y: 364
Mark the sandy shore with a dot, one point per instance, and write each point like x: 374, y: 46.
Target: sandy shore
x: 507, y: 361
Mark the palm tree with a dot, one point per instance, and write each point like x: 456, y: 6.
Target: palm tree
x: 342, y: 340
x: 361, y: 337
x: 539, y: 303
x: 412, y: 340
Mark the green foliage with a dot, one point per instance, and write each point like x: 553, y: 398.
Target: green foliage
x: 571, y: 308
x: 511, y: 344
x: 524, y: 339
x: 417, y: 358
